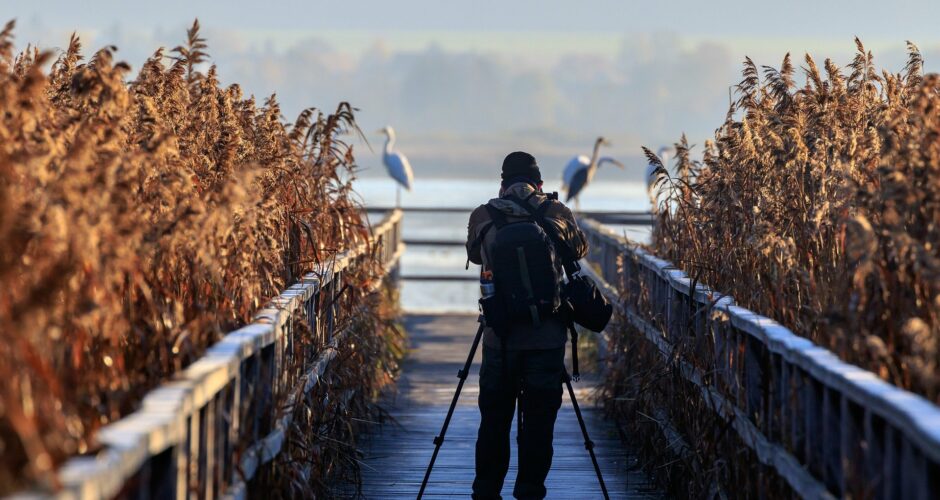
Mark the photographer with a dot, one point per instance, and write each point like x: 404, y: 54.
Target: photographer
x: 521, y: 239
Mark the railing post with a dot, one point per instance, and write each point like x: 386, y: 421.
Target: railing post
x: 774, y: 403
x: 797, y: 410
x: 753, y: 381
x: 195, y: 452
x: 210, y: 451
x: 265, y: 395
x: 182, y: 455
x: 232, y: 422
x: 831, y: 441
x: 813, y: 409
x: 892, y: 464
x: 875, y: 454
x: 331, y: 308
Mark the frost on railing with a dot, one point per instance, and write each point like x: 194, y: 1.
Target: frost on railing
x: 188, y: 437
x: 828, y: 428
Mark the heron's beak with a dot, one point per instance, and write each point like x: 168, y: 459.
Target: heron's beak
x: 615, y: 162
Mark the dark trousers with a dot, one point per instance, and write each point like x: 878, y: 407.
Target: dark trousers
x: 535, y: 379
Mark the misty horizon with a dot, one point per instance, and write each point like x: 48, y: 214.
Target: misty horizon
x: 462, y: 96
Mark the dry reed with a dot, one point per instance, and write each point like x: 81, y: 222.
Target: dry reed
x: 139, y: 221
x: 819, y: 206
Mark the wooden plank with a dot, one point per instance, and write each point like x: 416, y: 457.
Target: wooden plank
x: 396, y: 456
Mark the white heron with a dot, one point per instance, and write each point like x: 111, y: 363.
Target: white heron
x: 398, y: 167
x: 580, y: 170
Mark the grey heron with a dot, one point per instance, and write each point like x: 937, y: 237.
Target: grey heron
x: 398, y: 167
x: 581, y: 169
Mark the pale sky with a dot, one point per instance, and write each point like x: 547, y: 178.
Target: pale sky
x: 460, y: 79
x: 715, y: 18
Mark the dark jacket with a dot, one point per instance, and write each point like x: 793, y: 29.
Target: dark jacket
x: 551, y: 334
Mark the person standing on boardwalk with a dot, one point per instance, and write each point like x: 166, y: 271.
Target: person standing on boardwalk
x: 523, y: 359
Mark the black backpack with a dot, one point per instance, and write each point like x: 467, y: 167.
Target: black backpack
x: 523, y: 261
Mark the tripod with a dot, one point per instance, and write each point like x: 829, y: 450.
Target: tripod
x: 462, y: 375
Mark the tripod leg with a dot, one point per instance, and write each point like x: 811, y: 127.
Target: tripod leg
x: 462, y: 375
x: 588, y: 444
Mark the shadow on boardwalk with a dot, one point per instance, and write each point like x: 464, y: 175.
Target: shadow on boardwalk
x: 396, y: 456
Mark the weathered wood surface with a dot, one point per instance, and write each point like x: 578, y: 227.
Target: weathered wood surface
x: 398, y: 453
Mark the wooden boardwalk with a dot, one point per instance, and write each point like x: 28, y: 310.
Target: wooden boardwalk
x: 397, y: 455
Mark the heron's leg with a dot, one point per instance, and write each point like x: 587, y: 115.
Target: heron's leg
x: 397, y: 195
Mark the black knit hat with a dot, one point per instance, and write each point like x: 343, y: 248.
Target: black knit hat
x: 519, y: 164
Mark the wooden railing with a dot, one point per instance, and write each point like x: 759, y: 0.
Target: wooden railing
x: 187, y: 439
x: 627, y: 218
x: 823, y: 425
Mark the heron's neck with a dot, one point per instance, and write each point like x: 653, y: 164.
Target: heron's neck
x: 597, y: 149
x: 389, y: 143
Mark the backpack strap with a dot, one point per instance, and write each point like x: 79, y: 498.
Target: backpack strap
x: 571, y: 266
x: 498, y: 218
x: 477, y: 242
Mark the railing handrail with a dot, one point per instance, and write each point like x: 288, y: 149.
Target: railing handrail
x: 166, y: 412
x: 625, y: 217
x: 457, y: 209
x: 912, y: 416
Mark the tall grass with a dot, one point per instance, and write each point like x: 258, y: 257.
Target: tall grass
x: 140, y: 219
x: 819, y: 205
